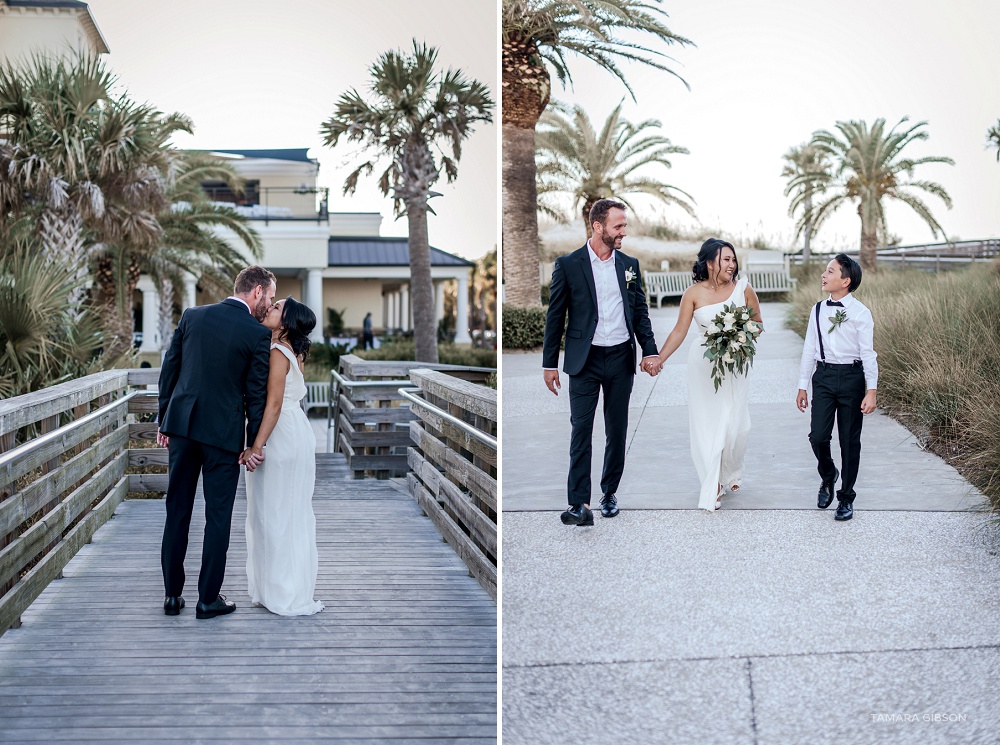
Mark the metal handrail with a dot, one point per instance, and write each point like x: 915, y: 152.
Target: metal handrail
x: 39, y: 442
x: 484, y: 438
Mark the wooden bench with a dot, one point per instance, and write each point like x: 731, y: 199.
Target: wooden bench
x: 317, y: 395
x: 673, y: 284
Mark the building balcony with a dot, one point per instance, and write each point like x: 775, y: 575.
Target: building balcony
x: 276, y: 203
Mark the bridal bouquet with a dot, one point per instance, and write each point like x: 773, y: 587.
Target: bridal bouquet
x: 731, y: 341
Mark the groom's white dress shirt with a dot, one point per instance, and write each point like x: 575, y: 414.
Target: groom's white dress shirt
x: 611, y: 329
x: 851, y: 340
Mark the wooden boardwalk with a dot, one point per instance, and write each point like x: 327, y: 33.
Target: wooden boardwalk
x: 404, y: 651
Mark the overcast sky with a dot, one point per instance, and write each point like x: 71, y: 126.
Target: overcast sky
x: 263, y: 74
x: 764, y: 75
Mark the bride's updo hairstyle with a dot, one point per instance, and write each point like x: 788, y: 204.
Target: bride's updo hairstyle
x: 708, y: 253
x: 297, y: 322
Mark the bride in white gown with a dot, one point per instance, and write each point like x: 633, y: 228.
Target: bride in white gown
x: 282, y: 561
x: 719, y: 420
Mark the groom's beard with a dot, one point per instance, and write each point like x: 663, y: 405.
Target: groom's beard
x: 260, y: 310
x: 612, y: 244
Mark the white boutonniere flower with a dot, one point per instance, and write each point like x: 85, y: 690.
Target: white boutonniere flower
x: 629, y: 277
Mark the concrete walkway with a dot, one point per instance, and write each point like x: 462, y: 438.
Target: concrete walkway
x: 766, y: 622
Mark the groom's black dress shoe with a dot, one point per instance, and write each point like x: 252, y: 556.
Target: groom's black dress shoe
x: 578, y: 514
x: 172, y: 605
x: 825, y: 496
x: 845, y: 510
x: 220, y: 607
x: 609, y: 505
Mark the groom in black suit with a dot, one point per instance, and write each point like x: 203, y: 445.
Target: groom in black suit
x: 600, y: 290
x: 212, y: 391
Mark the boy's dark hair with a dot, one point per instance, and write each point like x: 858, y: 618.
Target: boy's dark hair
x: 849, y: 269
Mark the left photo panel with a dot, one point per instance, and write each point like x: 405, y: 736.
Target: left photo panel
x: 248, y: 371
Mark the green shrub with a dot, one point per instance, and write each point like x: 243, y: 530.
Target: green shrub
x: 448, y: 354
x: 523, y: 328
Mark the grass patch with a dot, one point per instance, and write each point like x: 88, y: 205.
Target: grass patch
x: 938, y: 343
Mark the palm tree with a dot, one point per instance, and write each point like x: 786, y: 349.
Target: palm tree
x: 413, y: 111
x: 84, y: 160
x: 573, y: 158
x: 537, y: 35
x: 42, y: 341
x: 198, y: 234
x: 801, y: 164
x: 994, y: 137
x: 483, y: 291
x: 868, y: 166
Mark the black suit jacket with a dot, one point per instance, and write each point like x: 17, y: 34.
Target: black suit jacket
x: 574, y: 295
x: 214, y: 376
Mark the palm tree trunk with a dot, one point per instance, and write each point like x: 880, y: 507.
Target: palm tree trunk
x: 588, y: 205
x: 806, y: 252
x: 520, y: 220
x: 166, y: 313
x: 61, y: 235
x: 526, y: 86
x: 421, y: 284
x: 869, y: 238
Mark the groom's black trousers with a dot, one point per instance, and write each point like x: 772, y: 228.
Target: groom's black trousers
x: 838, y: 391
x: 611, y: 369
x: 220, y: 471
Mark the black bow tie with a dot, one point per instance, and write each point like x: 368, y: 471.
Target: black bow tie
x: 835, y: 302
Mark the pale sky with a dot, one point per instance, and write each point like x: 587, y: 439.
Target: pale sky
x: 256, y: 74
x: 764, y: 75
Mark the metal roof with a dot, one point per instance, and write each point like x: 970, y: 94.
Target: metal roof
x: 383, y: 251
x: 297, y: 154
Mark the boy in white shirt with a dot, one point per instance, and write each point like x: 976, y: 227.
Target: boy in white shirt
x: 839, y: 346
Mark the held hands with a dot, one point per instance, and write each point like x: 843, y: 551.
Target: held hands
x: 162, y: 440
x: 251, y: 458
x: 651, y: 365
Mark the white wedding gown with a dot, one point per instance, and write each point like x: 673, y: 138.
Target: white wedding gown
x: 720, y: 420
x: 281, y: 528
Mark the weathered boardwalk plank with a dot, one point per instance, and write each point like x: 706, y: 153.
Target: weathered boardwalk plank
x: 405, y: 649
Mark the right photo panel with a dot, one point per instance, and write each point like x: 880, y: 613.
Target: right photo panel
x: 750, y: 442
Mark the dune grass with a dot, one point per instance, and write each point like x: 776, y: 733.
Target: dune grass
x: 938, y: 343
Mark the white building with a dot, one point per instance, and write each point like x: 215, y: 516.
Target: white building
x: 50, y: 27
x: 327, y: 260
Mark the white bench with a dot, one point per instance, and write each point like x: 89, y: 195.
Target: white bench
x: 673, y: 284
x: 317, y: 395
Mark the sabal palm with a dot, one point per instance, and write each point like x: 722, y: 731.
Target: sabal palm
x: 574, y: 158
x: 42, y: 342
x: 538, y: 35
x: 195, y: 238
x: 868, y: 167
x: 994, y: 137
x: 86, y: 161
x: 802, y: 165
x: 412, y: 112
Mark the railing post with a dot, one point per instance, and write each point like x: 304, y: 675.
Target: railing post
x: 6, y: 492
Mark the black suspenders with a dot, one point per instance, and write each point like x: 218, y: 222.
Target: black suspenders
x: 819, y: 333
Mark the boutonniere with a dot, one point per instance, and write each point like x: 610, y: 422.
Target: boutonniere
x: 629, y: 277
x: 836, y: 319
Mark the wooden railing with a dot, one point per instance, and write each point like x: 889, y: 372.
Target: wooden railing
x: 367, y: 418
x: 64, y: 452
x: 454, y: 465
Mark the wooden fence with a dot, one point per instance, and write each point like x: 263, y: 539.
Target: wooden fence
x: 367, y: 418
x: 454, y: 465
x: 64, y: 452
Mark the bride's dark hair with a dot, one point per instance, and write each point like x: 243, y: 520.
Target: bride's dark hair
x: 708, y: 253
x: 297, y: 322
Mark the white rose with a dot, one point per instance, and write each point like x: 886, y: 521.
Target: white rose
x: 727, y: 357
x: 729, y: 318
x: 752, y: 327
x: 741, y: 337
